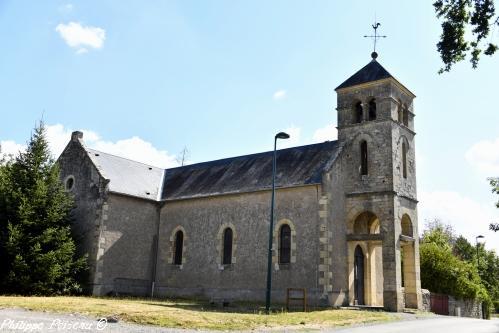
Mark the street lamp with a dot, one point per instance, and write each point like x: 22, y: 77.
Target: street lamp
x: 477, y: 255
x: 280, y: 135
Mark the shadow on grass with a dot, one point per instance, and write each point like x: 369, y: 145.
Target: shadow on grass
x: 241, y: 307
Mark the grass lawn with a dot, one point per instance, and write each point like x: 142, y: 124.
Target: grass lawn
x: 192, y: 314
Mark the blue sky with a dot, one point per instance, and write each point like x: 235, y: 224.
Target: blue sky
x: 148, y: 78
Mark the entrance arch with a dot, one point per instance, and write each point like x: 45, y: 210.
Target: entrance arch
x: 409, y: 259
x: 359, y: 276
x: 365, y: 260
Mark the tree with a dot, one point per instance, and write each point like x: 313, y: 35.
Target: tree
x: 442, y: 272
x: 439, y: 233
x: 183, y: 156
x: 37, y: 250
x: 464, y: 250
x: 459, y: 16
x: 449, y: 265
x: 494, y: 182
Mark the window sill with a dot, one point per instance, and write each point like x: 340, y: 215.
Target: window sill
x: 226, y: 267
x: 284, y: 267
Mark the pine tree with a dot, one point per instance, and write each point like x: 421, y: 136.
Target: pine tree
x: 37, y: 251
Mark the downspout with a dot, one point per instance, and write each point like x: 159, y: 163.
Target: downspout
x: 160, y: 205
x: 156, y: 250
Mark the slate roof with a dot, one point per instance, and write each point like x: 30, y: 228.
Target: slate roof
x: 295, y: 166
x: 373, y: 71
x: 127, y: 176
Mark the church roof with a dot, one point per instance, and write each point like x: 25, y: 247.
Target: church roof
x: 373, y: 71
x: 127, y: 176
x: 295, y: 167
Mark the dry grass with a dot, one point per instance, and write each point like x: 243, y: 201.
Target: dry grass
x: 192, y: 314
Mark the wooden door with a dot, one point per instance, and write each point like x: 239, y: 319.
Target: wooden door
x: 359, y: 275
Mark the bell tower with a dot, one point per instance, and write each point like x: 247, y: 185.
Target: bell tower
x: 376, y: 131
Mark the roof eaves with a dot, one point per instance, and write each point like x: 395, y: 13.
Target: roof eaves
x: 201, y: 196
x: 133, y: 196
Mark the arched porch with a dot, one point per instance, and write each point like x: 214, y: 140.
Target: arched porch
x: 365, y: 263
x: 409, y: 265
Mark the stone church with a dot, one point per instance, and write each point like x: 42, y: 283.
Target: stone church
x: 346, y: 213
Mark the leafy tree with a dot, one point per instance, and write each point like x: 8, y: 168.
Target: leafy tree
x: 494, y: 182
x: 488, y: 268
x: 37, y: 250
x: 449, y: 265
x: 442, y: 272
x: 458, y: 17
x: 439, y: 233
x: 464, y: 250
x: 487, y: 264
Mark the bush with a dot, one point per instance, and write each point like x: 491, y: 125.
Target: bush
x: 442, y: 272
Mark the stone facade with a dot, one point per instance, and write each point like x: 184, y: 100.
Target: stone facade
x: 349, y: 206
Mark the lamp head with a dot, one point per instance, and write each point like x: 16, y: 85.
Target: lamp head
x: 282, y: 135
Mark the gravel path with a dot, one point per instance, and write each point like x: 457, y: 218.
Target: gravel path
x: 20, y: 320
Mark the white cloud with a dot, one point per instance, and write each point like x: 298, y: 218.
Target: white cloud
x: 327, y: 133
x: 81, y: 37
x: 136, y: 149
x: 279, y: 94
x: 9, y: 147
x: 484, y: 156
x: 133, y: 148
x: 468, y: 217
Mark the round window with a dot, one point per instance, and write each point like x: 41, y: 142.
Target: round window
x: 69, y: 183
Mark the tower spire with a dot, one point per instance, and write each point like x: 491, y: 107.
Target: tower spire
x: 375, y: 38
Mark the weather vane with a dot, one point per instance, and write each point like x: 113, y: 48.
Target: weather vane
x: 375, y: 37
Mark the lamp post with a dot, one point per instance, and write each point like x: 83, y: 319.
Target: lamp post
x: 280, y: 135
x: 477, y: 254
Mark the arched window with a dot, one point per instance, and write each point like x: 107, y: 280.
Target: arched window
x: 363, y: 158
x: 406, y: 225
x: 372, y: 109
x: 69, y: 183
x: 227, y: 247
x: 285, y: 244
x: 406, y: 116
x: 358, y: 112
x: 179, y: 247
x: 404, y: 159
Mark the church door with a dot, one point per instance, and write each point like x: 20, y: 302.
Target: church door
x: 359, y: 276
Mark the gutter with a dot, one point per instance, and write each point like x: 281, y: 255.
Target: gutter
x: 156, y: 237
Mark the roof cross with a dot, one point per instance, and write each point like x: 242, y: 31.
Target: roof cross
x: 375, y: 38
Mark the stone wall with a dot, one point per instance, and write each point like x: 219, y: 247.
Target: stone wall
x: 89, y: 190
x: 202, y: 275
x: 465, y: 307
x: 426, y: 300
x: 127, y: 245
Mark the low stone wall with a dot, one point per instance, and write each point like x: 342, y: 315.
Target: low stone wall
x: 465, y: 308
x: 426, y: 300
